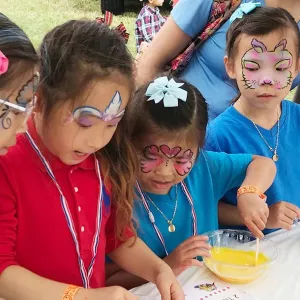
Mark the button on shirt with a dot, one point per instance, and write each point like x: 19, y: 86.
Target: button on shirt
x: 33, y: 229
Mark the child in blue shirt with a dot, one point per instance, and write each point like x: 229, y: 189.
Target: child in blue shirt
x: 179, y: 186
x: 263, y: 58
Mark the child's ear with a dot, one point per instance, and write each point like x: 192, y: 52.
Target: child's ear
x: 38, y: 104
x: 229, y: 66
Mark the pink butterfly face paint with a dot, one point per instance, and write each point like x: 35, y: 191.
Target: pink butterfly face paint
x: 151, y: 159
x: 262, y: 67
x: 87, y: 116
x: 154, y: 156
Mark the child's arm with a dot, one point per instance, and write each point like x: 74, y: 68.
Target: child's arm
x: 18, y: 283
x: 252, y: 209
x: 139, y: 260
x: 180, y: 259
x: 282, y: 215
x: 228, y: 214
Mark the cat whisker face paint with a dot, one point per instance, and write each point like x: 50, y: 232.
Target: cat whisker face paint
x: 267, y: 67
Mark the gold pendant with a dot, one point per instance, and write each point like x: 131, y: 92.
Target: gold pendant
x: 171, y: 227
x: 275, y: 157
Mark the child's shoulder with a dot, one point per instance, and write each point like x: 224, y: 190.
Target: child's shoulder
x: 291, y: 107
x: 228, y: 121
x: 17, y: 154
x: 144, y: 11
x: 17, y: 160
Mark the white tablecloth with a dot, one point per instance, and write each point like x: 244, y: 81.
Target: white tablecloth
x: 280, y: 282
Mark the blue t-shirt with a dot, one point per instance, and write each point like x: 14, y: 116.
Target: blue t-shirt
x: 212, y: 175
x: 206, y: 69
x: 231, y: 132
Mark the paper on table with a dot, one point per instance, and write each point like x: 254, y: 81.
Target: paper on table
x: 214, y: 291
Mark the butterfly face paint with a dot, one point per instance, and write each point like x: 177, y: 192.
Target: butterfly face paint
x: 262, y: 67
x: 23, y: 106
x: 86, y: 116
x: 154, y: 156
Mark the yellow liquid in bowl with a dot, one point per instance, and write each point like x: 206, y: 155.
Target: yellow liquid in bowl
x: 235, y: 266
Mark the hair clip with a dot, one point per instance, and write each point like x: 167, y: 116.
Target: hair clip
x: 3, y: 63
x: 121, y: 29
x: 244, y: 9
x: 167, y: 90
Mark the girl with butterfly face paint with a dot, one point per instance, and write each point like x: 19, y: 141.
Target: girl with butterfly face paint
x: 18, y: 81
x: 67, y: 186
x: 179, y: 184
x: 263, y: 58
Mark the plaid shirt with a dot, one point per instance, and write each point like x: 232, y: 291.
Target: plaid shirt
x: 147, y: 24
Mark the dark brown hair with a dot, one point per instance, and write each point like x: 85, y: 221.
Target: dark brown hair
x: 262, y: 21
x: 17, y: 47
x: 73, y: 55
x: 188, y: 119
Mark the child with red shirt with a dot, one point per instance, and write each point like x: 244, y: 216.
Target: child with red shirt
x: 18, y: 79
x: 67, y: 185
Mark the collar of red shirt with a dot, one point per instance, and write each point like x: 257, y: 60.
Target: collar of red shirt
x: 54, y: 161
x: 152, y: 10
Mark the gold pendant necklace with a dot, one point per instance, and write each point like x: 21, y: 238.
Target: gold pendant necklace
x: 275, y: 156
x: 171, y: 226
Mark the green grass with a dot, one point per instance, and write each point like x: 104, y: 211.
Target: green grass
x: 36, y: 17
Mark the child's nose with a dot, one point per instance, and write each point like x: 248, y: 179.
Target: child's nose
x: 165, y: 169
x: 266, y: 81
x: 96, y: 143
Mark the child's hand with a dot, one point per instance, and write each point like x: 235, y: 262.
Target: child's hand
x: 111, y: 293
x: 184, y: 255
x: 167, y: 284
x: 254, y: 212
x: 282, y: 215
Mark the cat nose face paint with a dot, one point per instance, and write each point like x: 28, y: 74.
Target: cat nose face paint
x: 263, y: 67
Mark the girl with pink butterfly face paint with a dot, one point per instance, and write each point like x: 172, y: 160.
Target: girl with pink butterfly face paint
x: 155, y: 156
x: 179, y: 184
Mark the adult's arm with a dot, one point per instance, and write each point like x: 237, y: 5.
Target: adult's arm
x: 187, y: 20
x: 166, y: 45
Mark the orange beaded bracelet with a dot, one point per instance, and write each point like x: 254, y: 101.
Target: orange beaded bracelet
x: 70, y: 292
x: 251, y: 189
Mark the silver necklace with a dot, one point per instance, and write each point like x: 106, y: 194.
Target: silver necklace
x: 273, y: 150
x: 171, y: 226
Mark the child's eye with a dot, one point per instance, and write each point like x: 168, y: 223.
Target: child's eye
x: 84, y: 126
x: 84, y: 122
x: 251, y: 65
x: 280, y: 69
x: 150, y: 157
x: 283, y: 65
x: 112, y: 125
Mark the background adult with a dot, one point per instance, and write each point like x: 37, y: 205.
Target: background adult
x: 206, y: 69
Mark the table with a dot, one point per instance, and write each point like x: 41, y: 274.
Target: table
x: 280, y: 282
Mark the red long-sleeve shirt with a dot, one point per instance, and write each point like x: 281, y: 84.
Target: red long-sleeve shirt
x: 33, y: 229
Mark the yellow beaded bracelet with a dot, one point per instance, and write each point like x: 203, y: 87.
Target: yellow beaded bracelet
x: 251, y: 189
x: 70, y: 292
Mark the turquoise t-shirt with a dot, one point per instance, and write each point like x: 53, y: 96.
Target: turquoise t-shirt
x: 206, y: 69
x: 231, y: 132
x: 211, y: 177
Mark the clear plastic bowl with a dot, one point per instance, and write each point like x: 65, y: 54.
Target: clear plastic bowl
x: 240, y: 240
